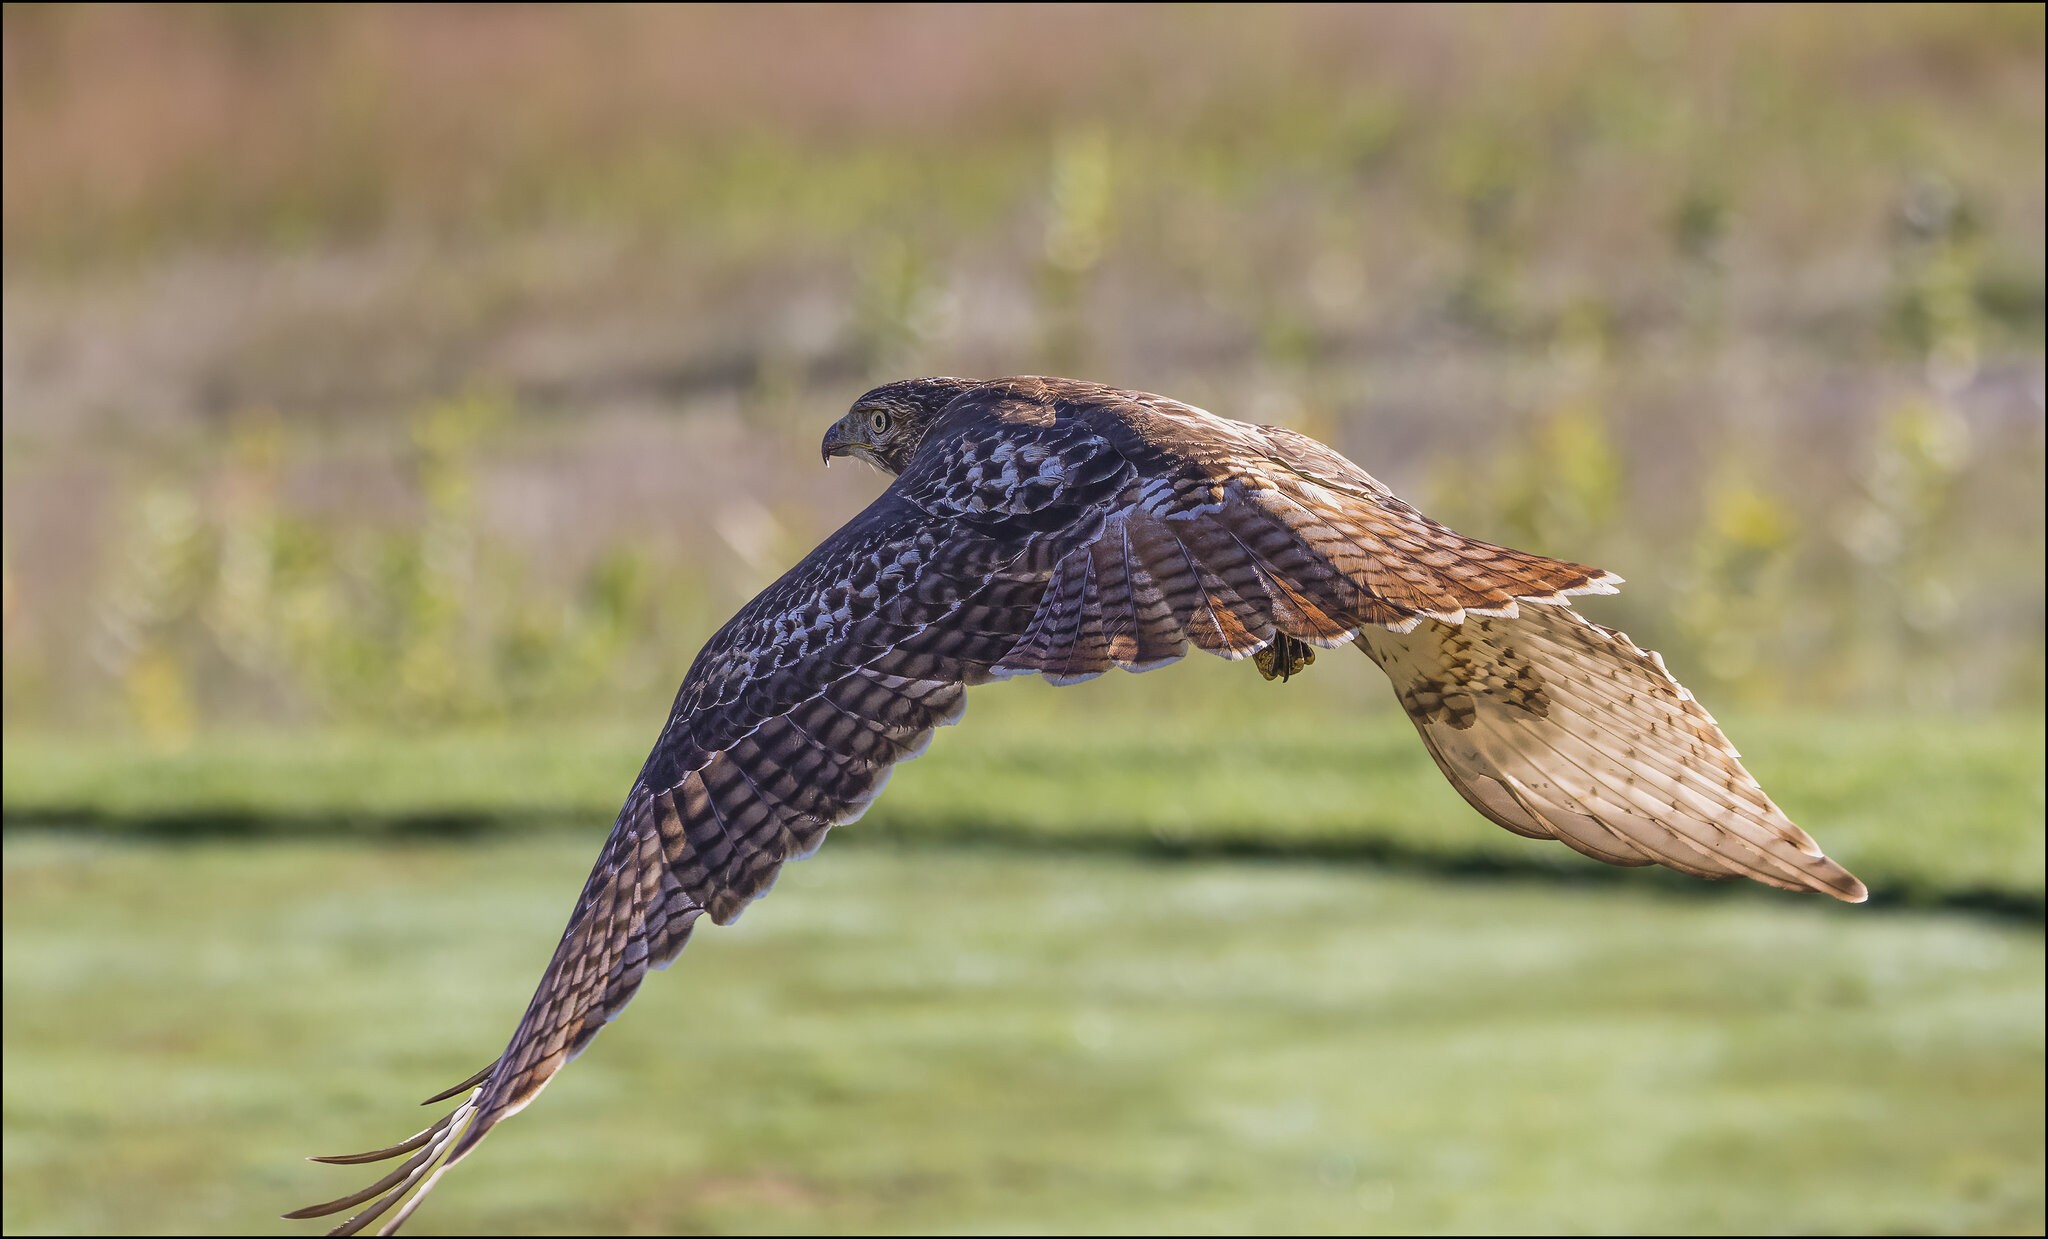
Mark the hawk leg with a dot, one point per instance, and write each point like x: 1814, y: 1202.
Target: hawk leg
x: 1284, y: 657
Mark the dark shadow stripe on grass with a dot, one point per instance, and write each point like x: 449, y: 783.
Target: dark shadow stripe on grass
x: 1556, y: 864
x: 1890, y: 892
x: 196, y: 825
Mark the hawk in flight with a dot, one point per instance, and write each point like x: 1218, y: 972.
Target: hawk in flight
x: 1059, y: 528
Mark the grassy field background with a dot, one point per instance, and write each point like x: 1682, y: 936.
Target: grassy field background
x: 1141, y: 979
x: 1929, y: 812
x: 396, y: 396
x: 916, y: 1039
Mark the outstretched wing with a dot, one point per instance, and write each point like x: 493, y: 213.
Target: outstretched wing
x: 1231, y: 533
x: 1061, y: 530
x: 787, y: 724
x: 1547, y: 723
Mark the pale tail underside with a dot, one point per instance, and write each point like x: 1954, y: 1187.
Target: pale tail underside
x: 1558, y: 728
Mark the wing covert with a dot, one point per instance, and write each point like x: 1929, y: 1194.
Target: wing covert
x: 1228, y: 535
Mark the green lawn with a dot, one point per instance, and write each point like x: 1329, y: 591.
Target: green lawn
x: 926, y: 1039
x: 1929, y: 811
x: 1117, y: 969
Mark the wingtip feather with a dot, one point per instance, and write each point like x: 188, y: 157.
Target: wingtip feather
x: 455, y: 1090
x: 427, y: 1163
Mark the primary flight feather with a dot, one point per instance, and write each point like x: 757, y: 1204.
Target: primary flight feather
x: 1060, y: 528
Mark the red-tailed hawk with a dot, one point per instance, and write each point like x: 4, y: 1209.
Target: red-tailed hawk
x: 1052, y: 527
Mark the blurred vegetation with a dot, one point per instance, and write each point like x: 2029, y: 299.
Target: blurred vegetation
x: 1744, y: 304
x: 421, y: 625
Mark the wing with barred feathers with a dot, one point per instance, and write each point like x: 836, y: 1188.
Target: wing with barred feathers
x: 1231, y: 534
x: 1063, y: 529
x: 787, y: 725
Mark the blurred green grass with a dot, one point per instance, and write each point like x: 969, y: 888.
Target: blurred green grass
x: 1927, y: 810
x: 916, y: 1040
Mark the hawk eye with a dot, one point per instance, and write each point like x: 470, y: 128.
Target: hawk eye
x: 878, y: 421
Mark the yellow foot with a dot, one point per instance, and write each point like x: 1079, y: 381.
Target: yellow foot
x: 1284, y: 657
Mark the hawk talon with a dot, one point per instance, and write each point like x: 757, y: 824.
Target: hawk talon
x: 1284, y: 657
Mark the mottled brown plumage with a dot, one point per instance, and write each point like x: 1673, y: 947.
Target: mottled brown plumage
x: 1062, y: 528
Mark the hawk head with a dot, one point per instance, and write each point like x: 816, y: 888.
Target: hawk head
x: 885, y: 426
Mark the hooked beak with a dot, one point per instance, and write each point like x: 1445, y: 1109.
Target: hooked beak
x: 836, y: 444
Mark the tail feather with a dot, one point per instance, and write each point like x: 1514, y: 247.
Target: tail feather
x: 1553, y: 726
